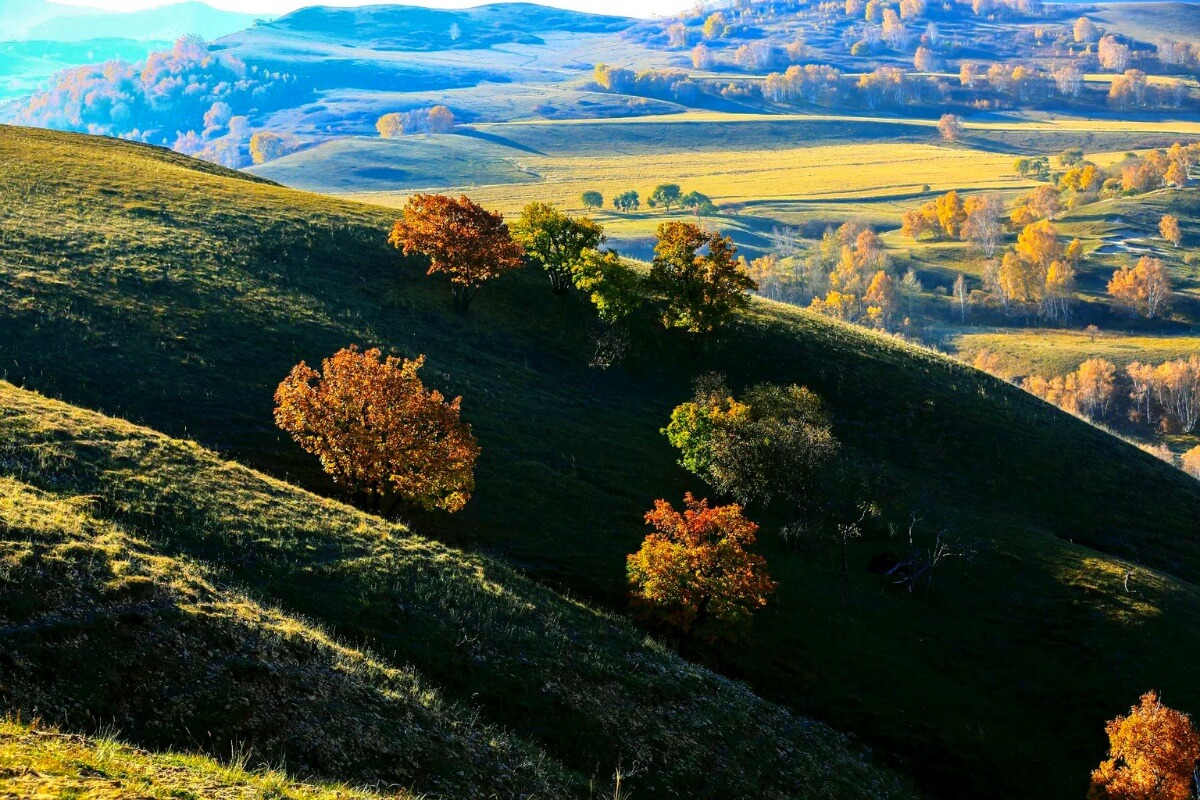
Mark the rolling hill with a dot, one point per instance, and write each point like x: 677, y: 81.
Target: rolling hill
x: 191, y: 603
x: 139, y: 283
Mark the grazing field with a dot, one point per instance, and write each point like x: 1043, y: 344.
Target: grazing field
x: 175, y: 294
x: 1050, y: 352
x: 816, y: 174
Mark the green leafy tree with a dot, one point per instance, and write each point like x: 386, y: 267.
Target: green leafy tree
x: 665, y: 195
x: 701, y: 290
x: 612, y: 286
x: 555, y: 241
x: 699, y: 204
x: 767, y: 446
x: 592, y: 200
x: 627, y: 201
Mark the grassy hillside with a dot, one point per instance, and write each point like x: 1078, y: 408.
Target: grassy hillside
x: 36, y: 761
x: 120, y: 550
x: 136, y: 285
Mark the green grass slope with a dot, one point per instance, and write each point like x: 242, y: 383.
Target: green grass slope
x: 41, y: 762
x: 122, y: 553
x: 138, y: 286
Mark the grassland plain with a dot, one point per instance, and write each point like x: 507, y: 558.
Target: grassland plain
x: 696, y: 133
x: 37, y: 761
x: 1050, y: 351
x: 767, y: 170
x: 137, y: 285
x: 120, y: 547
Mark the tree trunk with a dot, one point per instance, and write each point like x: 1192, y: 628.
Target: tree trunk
x: 689, y: 635
x: 462, y: 297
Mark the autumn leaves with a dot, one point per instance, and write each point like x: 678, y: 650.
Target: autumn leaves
x: 379, y: 432
x: 694, y: 573
x: 460, y: 239
x: 392, y: 443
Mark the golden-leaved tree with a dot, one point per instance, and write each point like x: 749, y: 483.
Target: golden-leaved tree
x: 1168, y: 228
x: 1190, y: 461
x: 379, y: 432
x: 701, y: 291
x: 695, y: 571
x: 461, y: 239
x: 1144, y: 288
x: 1153, y: 755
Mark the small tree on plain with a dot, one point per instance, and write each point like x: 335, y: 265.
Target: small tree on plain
x: 665, y: 195
x: 961, y: 295
x: 950, y: 126
x: 1168, y: 227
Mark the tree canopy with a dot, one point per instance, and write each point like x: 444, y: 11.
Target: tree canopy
x: 555, y: 241
x: 1153, y: 755
x: 695, y: 572
x: 378, y: 431
x: 460, y: 239
x: 768, y: 445
x: 665, y: 195
x: 701, y: 291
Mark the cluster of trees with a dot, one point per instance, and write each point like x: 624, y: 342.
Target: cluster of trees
x: 1181, y: 55
x: 665, y: 196
x: 695, y: 276
x: 996, y: 86
x: 694, y: 573
x: 1143, y: 289
x: 869, y: 27
x: 674, y: 85
x: 846, y: 274
x: 267, y: 146
x: 860, y: 286
x: 1030, y: 84
x: 435, y: 119
x: 1159, y: 168
x: 978, y: 219
x: 388, y: 440
x: 187, y: 98
x: 1166, y: 396
x: 1037, y: 271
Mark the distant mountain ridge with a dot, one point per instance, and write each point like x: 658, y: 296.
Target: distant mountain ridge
x: 32, y: 20
x: 402, y: 27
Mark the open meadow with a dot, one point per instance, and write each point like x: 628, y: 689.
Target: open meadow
x: 354, y: 365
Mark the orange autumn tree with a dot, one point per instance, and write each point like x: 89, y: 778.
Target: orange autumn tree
x: 695, y: 573
x: 1153, y: 755
x: 379, y: 432
x: 460, y: 239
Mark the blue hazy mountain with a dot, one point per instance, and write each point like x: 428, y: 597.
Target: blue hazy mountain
x: 36, y: 20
